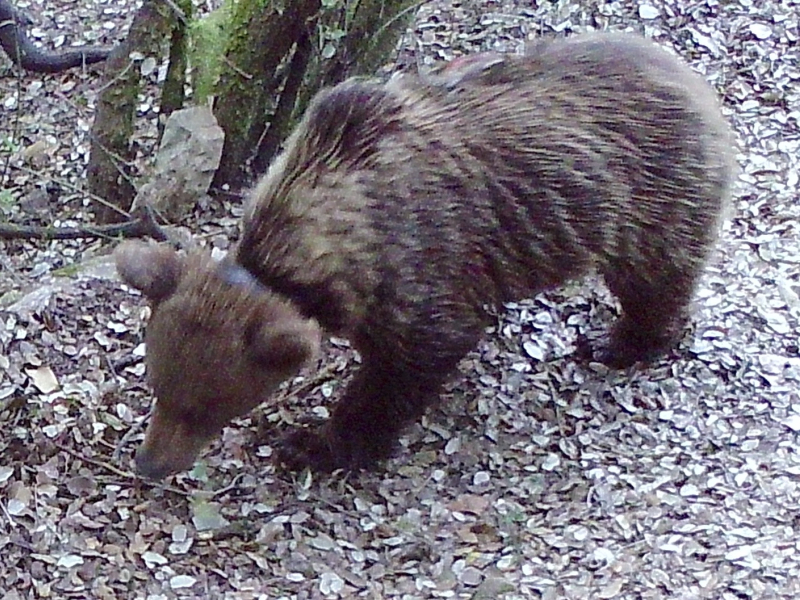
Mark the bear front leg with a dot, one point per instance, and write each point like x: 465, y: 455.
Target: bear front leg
x: 366, y: 423
x: 402, y: 373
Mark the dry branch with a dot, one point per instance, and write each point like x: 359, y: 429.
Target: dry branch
x: 142, y: 226
x: 26, y: 55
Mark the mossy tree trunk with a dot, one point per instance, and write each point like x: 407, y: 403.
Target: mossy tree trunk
x: 280, y: 54
x: 263, y: 35
x: 111, y: 152
x: 261, y: 61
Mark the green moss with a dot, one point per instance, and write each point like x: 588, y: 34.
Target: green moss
x: 208, y: 41
x: 67, y: 271
x: 9, y: 298
x: 7, y: 200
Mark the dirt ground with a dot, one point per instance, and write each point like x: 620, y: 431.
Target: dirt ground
x: 538, y: 477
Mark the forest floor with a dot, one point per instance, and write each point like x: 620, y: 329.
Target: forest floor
x: 538, y: 477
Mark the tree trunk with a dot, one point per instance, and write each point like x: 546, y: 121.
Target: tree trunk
x: 111, y: 153
x: 302, y: 47
x: 262, y: 38
x: 279, y: 53
x: 372, y: 30
x: 282, y: 117
x: 174, y: 94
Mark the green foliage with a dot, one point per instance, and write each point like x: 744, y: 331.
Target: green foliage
x: 9, y: 145
x: 206, y: 515
x: 7, y: 200
x: 208, y: 39
x: 69, y: 271
x: 329, y: 40
x: 333, y: 25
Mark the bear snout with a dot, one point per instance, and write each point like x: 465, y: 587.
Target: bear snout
x: 168, y: 447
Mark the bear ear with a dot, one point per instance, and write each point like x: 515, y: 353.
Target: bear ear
x: 154, y: 269
x: 284, y: 347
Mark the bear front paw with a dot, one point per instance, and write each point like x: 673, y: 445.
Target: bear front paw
x: 307, y: 448
x: 321, y: 449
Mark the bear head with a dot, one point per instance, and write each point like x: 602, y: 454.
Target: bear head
x: 218, y: 343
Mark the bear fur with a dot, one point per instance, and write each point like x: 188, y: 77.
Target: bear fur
x: 398, y: 211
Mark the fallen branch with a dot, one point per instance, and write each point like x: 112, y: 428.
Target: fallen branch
x: 26, y: 55
x: 122, y: 473
x: 143, y: 225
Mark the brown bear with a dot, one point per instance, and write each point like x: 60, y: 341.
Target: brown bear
x: 397, y: 212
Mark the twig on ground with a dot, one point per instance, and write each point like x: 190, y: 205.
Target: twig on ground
x: 142, y: 225
x: 99, y: 463
x: 134, y: 429
x: 126, y: 474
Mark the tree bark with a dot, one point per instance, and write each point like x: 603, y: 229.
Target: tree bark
x: 174, y: 94
x: 282, y: 118
x: 111, y: 154
x: 262, y: 93
x: 262, y: 38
